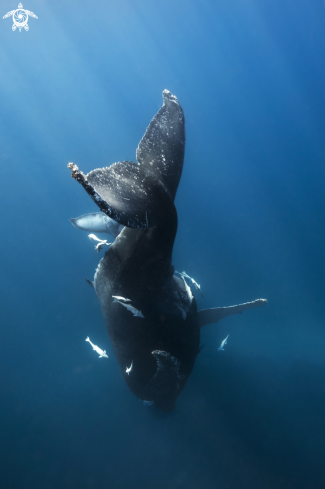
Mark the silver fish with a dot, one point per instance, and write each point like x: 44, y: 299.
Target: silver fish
x: 132, y: 309
x: 188, y: 290
x: 101, y: 242
x: 223, y: 343
x: 119, y: 298
x: 196, y: 285
x: 129, y: 369
x: 101, y: 353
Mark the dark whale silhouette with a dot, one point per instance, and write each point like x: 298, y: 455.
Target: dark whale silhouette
x: 162, y: 346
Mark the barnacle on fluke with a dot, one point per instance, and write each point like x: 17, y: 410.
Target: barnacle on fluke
x: 163, y: 341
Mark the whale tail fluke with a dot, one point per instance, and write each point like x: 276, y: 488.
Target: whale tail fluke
x: 87, y: 339
x: 135, y: 195
x: 161, y: 150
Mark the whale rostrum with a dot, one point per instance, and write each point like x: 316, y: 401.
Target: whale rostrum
x: 157, y: 331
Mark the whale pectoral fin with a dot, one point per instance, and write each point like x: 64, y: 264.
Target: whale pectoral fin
x: 209, y: 316
x: 161, y: 150
x: 96, y: 222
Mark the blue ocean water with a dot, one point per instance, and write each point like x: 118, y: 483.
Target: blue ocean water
x: 82, y: 85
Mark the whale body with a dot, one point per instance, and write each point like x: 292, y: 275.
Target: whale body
x: 162, y: 343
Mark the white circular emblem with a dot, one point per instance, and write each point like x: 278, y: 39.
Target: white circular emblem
x: 20, y: 18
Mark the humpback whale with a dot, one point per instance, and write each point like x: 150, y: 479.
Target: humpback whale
x: 136, y: 206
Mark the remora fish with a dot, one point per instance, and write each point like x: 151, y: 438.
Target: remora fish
x: 101, y: 353
x: 164, y: 344
x: 118, y: 298
x: 223, y: 343
x: 196, y: 285
x: 130, y: 308
x: 101, y: 242
x: 129, y: 369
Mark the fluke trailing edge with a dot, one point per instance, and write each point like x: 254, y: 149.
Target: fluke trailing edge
x: 162, y: 343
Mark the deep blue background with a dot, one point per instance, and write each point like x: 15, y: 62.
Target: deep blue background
x: 81, y: 86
